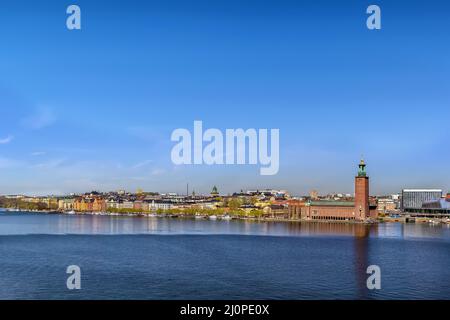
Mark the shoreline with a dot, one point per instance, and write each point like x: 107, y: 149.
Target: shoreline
x: 437, y: 221
x: 187, y: 216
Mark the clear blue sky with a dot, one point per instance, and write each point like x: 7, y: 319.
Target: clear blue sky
x: 94, y: 109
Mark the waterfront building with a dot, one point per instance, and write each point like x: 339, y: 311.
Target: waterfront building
x: 66, y: 204
x: 145, y: 206
x: 89, y: 203
x: 162, y: 205
x: 413, y: 199
x: 330, y: 210
x: 112, y: 204
x: 295, y: 209
x: 137, y: 205
x: 83, y: 204
x: 126, y: 205
x: 276, y: 211
x: 98, y: 205
x: 440, y: 206
x: 360, y: 209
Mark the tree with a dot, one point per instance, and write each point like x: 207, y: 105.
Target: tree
x: 234, y: 203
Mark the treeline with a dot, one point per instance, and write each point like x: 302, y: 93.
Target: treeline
x: 24, y: 205
x: 191, y: 211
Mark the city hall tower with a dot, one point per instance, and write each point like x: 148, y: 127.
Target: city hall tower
x: 362, y: 193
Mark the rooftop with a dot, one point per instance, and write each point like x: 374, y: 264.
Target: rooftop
x: 422, y: 190
x: 332, y: 203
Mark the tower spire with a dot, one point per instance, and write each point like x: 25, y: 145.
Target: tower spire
x: 362, y: 168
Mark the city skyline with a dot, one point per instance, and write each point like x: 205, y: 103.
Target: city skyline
x: 190, y: 190
x: 95, y: 108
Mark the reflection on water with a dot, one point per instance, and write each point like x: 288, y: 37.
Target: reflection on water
x: 32, y: 223
x: 302, y: 261
x: 335, y: 229
x: 361, y: 244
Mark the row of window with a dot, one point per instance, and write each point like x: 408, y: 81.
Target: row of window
x: 331, y: 218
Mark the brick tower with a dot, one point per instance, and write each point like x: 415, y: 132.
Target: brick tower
x: 362, y: 193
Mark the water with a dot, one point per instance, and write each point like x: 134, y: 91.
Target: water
x: 159, y: 258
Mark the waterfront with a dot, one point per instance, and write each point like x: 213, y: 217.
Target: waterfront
x: 163, y: 258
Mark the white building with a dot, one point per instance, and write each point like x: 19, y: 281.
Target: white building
x: 160, y: 205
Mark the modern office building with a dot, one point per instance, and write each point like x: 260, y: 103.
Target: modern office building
x: 413, y: 199
x: 441, y: 206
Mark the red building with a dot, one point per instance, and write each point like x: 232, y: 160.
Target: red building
x: 360, y: 209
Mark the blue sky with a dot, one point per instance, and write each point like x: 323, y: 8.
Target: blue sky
x: 94, y: 108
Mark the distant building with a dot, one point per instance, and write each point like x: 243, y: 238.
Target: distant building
x: 314, y: 195
x: 66, y: 204
x: 395, y: 197
x: 207, y: 205
x: 386, y: 205
x: 413, y: 199
x: 214, y: 192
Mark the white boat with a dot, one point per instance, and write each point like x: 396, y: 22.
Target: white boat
x: 226, y: 217
x: 71, y: 212
x: 213, y: 217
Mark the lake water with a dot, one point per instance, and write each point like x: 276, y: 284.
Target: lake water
x: 164, y: 258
